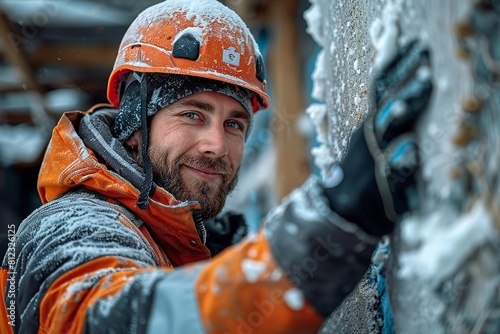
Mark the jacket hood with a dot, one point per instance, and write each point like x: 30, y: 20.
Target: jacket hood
x: 83, y: 152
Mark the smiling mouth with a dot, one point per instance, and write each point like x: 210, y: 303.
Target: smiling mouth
x: 204, y: 173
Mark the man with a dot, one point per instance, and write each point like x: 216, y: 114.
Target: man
x: 119, y: 245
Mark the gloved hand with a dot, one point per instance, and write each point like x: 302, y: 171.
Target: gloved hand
x: 372, y: 184
x: 224, y: 231
x: 324, y: 245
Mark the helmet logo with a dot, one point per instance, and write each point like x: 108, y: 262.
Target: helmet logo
x: 231, y: 57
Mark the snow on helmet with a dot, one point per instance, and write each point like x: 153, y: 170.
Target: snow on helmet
x: 200, y: 38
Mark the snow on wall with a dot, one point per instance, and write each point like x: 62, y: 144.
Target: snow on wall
x: 446, y: 278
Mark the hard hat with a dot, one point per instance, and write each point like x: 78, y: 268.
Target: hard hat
x: 200, y: 38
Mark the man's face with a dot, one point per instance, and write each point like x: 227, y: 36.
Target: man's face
x: 196, y: 147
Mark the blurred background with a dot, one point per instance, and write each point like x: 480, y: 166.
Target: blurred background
x: 56, y: 56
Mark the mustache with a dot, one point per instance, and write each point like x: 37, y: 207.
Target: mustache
x: 220, y: 166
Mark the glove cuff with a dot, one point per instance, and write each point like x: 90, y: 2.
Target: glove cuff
x: 321, y: 253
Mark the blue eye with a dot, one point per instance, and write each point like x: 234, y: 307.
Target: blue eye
x: 191, y: 115
x: 235, y: 125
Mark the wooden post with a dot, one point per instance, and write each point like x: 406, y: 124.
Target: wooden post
x: 292, y: 166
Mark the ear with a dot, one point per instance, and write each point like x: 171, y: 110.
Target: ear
x: 134, y: 141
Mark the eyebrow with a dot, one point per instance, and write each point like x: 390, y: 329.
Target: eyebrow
x: 197, y: 104
x: 210, y: 108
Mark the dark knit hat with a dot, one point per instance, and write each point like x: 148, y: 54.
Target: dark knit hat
x: 163, y: 90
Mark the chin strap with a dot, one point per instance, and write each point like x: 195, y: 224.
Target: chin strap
x: 143, y: 200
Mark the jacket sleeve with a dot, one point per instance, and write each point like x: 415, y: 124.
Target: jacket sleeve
x: 75, y: 259
x: 102, y: 277
x: 285, y: 279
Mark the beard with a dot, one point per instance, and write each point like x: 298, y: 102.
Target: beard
x: 210, y: 195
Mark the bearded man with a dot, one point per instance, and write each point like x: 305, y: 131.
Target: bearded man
x: 120, y: 244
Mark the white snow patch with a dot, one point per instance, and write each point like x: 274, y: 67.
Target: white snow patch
x: 252, y: 269
x: 424, y: 73
x: 384, y: 34
x: 334, y: 176
x: 322, y: 158
x: 89, y: 281
x: 439, y: 168
x: 292, y: 228
x: 356, y: 66
x: 398, y: 108
x: 312, y: 16
x: 319, y: 77
x: 357, y: 102
x: 294, y: 298
x: 438, y: 256
x: 318, y: 114
x: 194, y: 31
x: 276, y: 274
x: 305, y: 126
x: 204, y: 13
x: 332, y: 47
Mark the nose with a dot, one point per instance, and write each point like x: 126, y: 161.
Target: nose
x: 213, y: 143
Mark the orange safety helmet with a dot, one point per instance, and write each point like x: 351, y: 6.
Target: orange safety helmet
x: 195, y: 38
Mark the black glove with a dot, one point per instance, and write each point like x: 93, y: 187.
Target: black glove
x: 371, y: 186
x: 224, y: 231
x: 326, y: 249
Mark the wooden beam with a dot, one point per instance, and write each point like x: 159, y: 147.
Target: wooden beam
x: 15, y: 118
x: 97, y: 56
x: 16, y: 56
x: 10, y: 88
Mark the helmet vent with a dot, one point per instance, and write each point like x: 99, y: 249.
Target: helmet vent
x: 260, y: 71
x: 186, y: 46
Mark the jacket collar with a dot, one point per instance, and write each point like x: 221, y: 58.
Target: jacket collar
x: 83, y: 152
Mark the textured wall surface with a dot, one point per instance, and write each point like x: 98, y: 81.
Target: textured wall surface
x: 445, y: 274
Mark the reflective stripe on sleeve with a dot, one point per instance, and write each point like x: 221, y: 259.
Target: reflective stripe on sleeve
x: 175, y: 306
